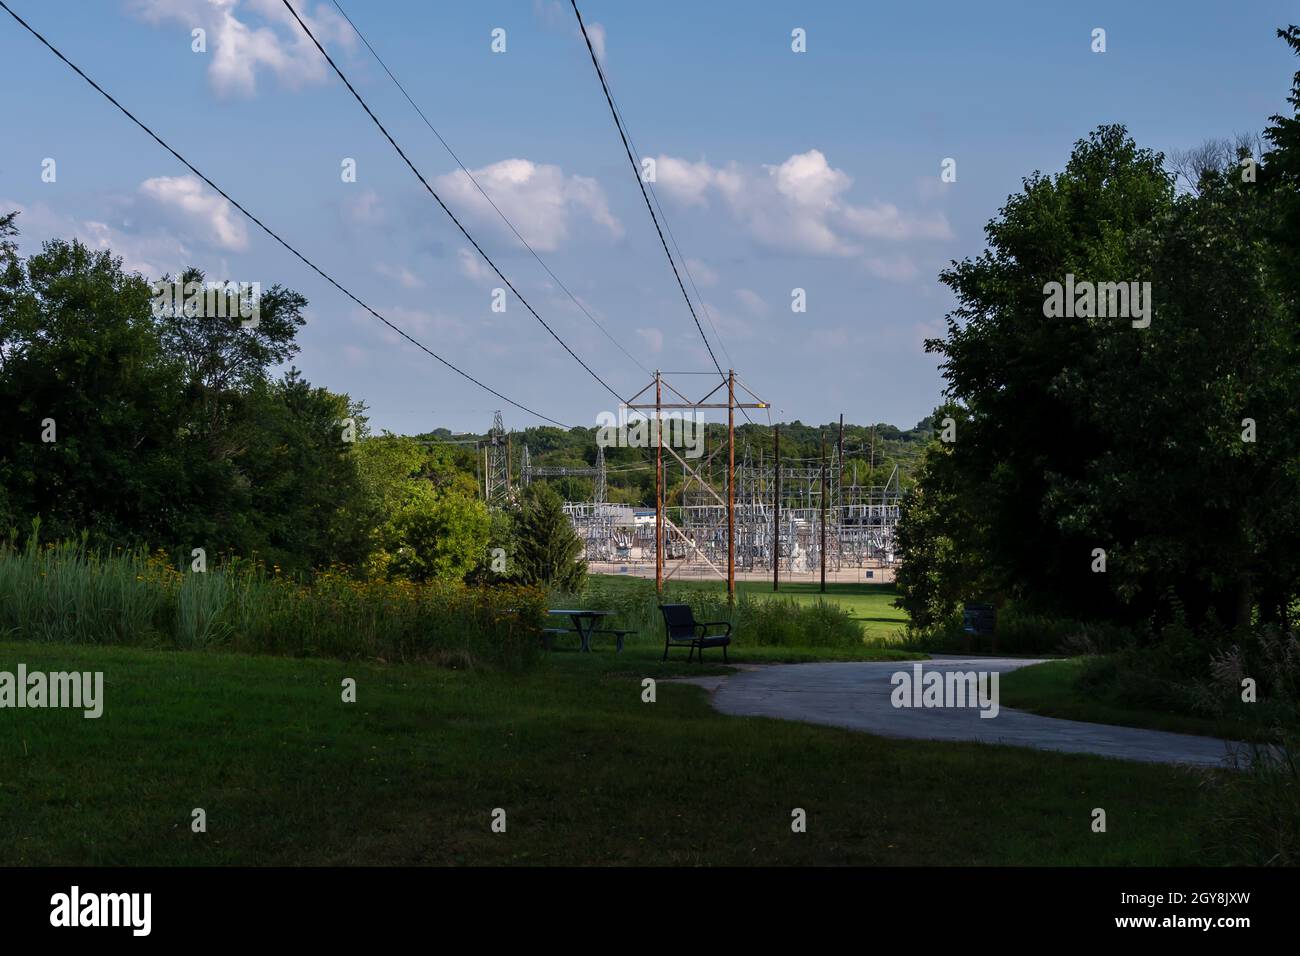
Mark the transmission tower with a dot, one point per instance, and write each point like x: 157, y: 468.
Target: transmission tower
x: 599, y: 479
x: 496, y: 485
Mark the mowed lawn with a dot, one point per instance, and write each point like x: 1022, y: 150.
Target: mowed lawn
x: 586, y: 771
x: 871, y: 605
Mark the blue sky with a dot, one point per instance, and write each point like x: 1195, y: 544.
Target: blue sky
x: 777, y: 170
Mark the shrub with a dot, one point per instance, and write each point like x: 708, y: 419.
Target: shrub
x: 1257, y: 809
x: 65, y: 593
x: 757, y: 621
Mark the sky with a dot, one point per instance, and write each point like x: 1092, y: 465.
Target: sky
x: 777, y: 171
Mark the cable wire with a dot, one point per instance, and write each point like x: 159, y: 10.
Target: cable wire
x: 644, y: 195
x: 261, y: 225
x: 576, y: 301
x: 686, y: 265
x: 420, y: 176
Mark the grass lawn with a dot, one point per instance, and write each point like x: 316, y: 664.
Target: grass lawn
x: 1050, y: 689
x: 871, y: 605
x: 587, y: 773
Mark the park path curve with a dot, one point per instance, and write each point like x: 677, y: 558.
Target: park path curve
x: 856, y: 695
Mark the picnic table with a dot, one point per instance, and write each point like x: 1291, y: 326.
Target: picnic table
x: 585, y: 624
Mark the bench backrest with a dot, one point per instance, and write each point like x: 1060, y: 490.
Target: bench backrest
x: 679, y: 619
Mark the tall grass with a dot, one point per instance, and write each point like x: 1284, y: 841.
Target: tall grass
x: 756, y: 621
x: 1257, y: 811
x: 1018, y: 631
x: 66, y: 593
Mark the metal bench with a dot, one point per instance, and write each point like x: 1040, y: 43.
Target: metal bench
x: 549, y: 634
x: 618, y: 637
x: 681, y: 629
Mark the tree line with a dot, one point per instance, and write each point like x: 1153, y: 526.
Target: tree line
x: 1100, y: 469
x: 135, y: 421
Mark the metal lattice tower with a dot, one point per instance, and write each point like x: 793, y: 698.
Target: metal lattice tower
x: 496, y: 482
x: 600, y: 479
x: 860, y: 519
x: 597, y: 473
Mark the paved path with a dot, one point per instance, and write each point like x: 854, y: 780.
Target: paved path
x: 857, y: 696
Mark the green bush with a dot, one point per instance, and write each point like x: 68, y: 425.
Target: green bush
x: 1257, y: 809
x: 66, y: 593
x: 1019, y: 631
x: 756, y: 621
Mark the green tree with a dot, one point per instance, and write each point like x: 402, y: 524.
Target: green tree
x: 425, y: 520
x: 297, y: 483
x: 939, y: 543
x: 439, y: 534
x: 1025, y: 381
x: 163, y: 426
x: 1086, y: 433
x: 89, y: 397
x: 549, y: 552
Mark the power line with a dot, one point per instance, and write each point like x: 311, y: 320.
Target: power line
x: 425, y: 184
x: 630, y: 143
x: 465, y: 170
x: 686, y: 265
x: 637, y: 172
x: 261, y: 225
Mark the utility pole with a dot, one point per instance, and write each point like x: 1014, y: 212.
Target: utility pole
x: 731, y: 485
x: 841, y: 449
x: 776, y: 532
x: 509, y: 461
x: 823, y: 547
x: 702, y: 475
x: 659, y: 490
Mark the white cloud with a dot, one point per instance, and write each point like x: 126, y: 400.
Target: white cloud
x: 553, y: 13
x: 893, y: 268
x: 930, y: 188
x: 433, y: 324
x: 653, y: 339
x: 363, y: 209
x: 239, y: 49
x: 206, y: 215
x: 597, y: 33
x: 400, y: 274
x: 556, y: 15
x: 798, y: 206
x: 701, y: 273
x: 687, y: 182
x: 471, y: 265
x: 886, y: 221
x: 152, y: 255
x: 752, y: 300
x: 539, y: 199
x: 424, y: 325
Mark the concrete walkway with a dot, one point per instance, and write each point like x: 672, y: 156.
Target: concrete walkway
x: 857, y: 696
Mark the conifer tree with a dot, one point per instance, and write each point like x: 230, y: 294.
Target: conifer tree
x: 549, y: 552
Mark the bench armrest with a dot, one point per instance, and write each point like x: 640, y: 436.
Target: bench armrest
x: 704, y: 627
